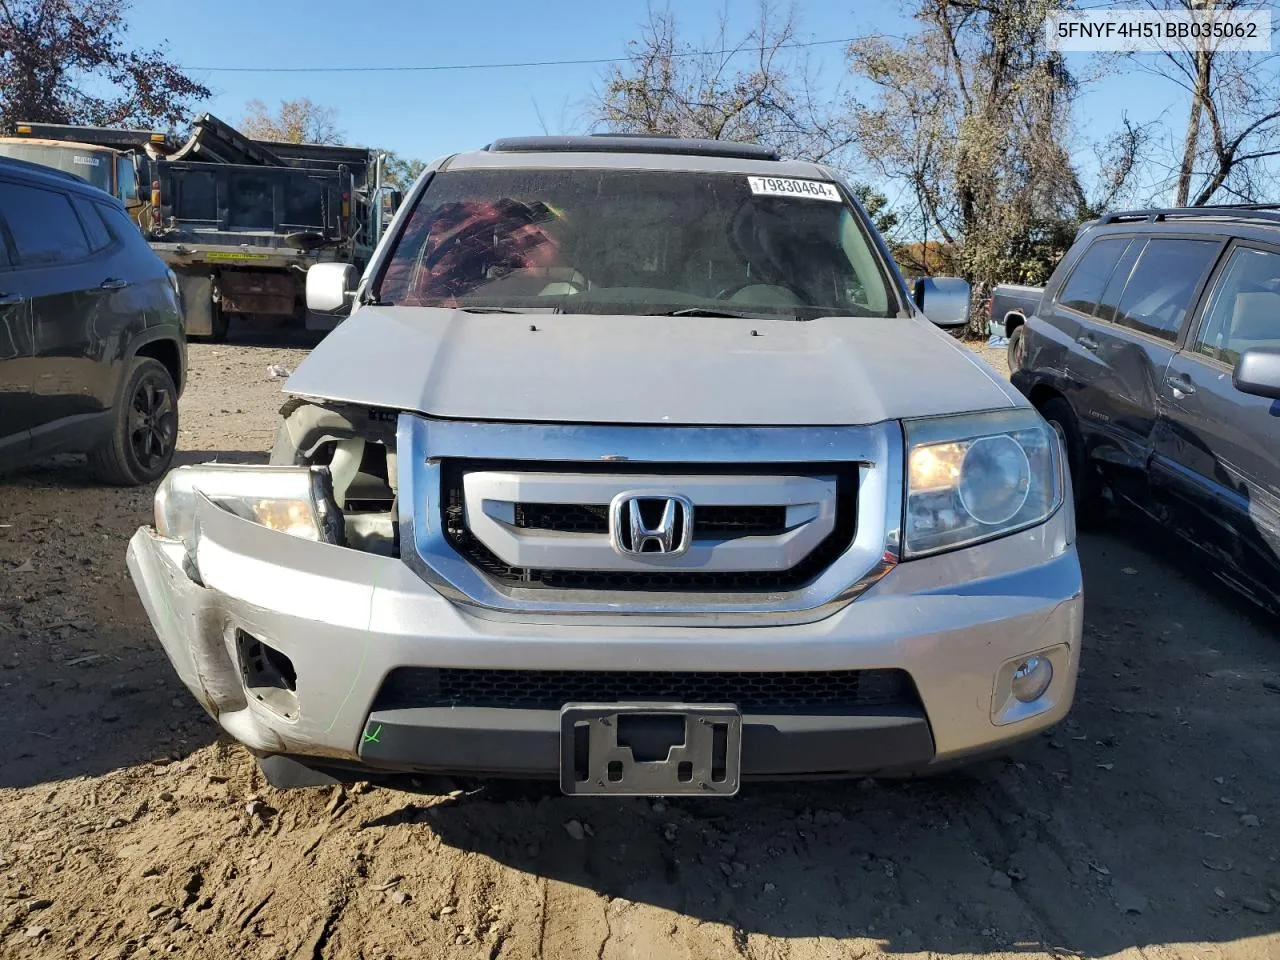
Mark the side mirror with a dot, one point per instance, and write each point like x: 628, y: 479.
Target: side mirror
x: 331, y: 286
x: 1257, y: 372
x: 944, y: 300
x: 395, y: 197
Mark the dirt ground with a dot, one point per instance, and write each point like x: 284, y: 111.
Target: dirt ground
x: 1146, y: 826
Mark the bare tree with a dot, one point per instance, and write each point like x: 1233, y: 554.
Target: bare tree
x: 296, y: 121
x: 1233, y: 120
x: 971, y: 116
x: 755, y: 87
x: 68, y: 61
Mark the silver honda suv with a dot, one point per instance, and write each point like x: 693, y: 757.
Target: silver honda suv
x: 635, y: 465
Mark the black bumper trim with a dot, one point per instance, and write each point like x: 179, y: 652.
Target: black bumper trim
x: 476, y: 740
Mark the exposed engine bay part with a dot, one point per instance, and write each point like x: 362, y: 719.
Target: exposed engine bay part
x: 358, y: 445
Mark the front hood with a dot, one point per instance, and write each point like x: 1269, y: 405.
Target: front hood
x: 647, y: 370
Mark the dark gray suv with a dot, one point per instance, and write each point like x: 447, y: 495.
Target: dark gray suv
x: 1156, y: 350
x: 92, y: 353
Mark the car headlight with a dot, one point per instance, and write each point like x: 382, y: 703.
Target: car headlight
x: 294, y: 500
x: 978, y: 477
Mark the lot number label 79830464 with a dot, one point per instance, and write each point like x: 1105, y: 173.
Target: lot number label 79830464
x: 787, y: 187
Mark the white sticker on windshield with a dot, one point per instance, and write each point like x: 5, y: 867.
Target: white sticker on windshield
x: 786, y: 187
x: 86, y: 161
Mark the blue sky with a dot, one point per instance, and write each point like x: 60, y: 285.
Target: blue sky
x: 425, y: 115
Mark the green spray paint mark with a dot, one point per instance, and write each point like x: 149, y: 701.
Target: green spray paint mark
x: 373, y: 737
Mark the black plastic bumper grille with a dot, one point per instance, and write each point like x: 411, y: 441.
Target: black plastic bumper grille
x: 714, y: 521
x: 408, y: 687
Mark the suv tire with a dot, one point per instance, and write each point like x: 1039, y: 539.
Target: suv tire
x: 1086, y: 486
x: 144, y: 430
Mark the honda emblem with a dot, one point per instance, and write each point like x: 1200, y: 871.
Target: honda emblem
x: 649, y: 524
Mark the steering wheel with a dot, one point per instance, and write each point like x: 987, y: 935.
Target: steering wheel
x: 728, y: 293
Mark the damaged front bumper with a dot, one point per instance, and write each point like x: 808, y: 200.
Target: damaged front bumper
x: 290, y: 645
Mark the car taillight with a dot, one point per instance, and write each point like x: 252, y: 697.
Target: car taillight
x: 155, y: 193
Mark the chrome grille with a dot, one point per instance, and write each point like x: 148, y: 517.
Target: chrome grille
x: 849, y: 531
x: 711, y: 522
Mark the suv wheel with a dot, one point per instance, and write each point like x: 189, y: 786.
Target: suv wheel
x: 1017, y: 347
x: 144, y: 433
x: 1085, y: 483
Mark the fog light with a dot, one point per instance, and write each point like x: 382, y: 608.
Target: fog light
x: 1031, y: 678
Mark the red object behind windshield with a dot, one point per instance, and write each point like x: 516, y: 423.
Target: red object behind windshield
x: 467, y: 244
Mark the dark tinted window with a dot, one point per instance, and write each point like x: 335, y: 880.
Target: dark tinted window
x: 4, y: 249
x: 1156, y: 298
x: 1110, y: 298
x: 45, y: 228
x: 124, y: 230
x: 99, y: 238
x: 1085, y: 285
x: 1245, y: 309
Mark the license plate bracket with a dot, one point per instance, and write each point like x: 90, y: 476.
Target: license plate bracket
x: 618, y: 749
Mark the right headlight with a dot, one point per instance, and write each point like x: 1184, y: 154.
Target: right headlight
x: 293, y: 500
x: 977, y: 477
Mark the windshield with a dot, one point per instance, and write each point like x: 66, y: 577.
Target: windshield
x: 92, y: 166
x: 636, y: 242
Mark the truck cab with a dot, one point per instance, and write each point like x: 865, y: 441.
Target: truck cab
x: 115, y: 161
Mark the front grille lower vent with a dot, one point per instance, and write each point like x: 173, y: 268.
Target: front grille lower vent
x: 709, y: 521
x: 410, y: 687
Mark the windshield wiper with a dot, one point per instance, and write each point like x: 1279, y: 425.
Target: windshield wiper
x: 717, y: 312
x: 489, y: 310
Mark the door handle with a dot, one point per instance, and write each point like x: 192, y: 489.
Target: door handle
x: 1087, y: 342
x: 11, y: 299
x: 1180, y: 385
x: 113, y: 283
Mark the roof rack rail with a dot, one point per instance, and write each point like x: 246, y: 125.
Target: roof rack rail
x: 634, y: 143
x: 1269, y: 212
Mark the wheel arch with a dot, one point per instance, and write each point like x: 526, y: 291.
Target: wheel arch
x: 162, y: 345
x: 1042, y: 393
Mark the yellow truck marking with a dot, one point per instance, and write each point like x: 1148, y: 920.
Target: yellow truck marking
x: 217, y: 255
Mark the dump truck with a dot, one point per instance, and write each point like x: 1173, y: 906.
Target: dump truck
x: 240, y: 221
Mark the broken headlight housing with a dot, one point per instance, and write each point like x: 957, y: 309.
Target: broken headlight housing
x: 977, y: 477
x: 293, y: 500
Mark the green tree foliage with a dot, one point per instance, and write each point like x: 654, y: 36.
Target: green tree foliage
x: 401, y: 172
